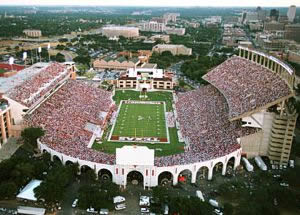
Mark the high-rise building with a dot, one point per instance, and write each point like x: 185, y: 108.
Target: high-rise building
x: 274, y: 14
x: 261, y: 14
x: 291, y: 13
x: 292, y: 32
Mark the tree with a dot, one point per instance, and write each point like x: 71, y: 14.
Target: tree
x: 189, y: 206
x: 30, y: 135
x: 8, y: 190
x: 160, y: 193
x: 228, y: 209
x: 83, y: 59
x: 60, y: 57
x: 91, y: 195
x: 52, y: 189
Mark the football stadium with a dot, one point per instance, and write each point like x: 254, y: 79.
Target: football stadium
x: 157, y: 136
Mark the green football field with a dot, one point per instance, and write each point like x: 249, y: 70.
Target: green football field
x: 141, y: 120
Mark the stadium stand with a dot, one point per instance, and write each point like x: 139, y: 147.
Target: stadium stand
x: 247, y: 86
x: 37, y: 85
x: 65, y: 115
x: 203, y: 119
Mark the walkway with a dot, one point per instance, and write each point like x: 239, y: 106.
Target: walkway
x: 9, y: 149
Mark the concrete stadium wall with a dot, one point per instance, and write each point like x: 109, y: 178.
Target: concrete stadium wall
x: 150, y: 173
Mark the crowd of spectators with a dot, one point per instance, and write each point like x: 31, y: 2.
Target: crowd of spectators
x: 170, y: 119
x: 202, y: 115
x: 34, y: 88
x: 202, y: 120
x: 246, y: 85
x: 65, y: 115
x: 204, y: 124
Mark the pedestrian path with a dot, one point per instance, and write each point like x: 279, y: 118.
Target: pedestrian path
x: 8, y: 149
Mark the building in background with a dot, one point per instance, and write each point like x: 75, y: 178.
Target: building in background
x: 174, y: 49
x: 261, y: 14
x: 177, y: 31
x: 116, y: 31
x: 273, y: 26
x: 5, y: 121
x: 120, y: 63
x: 159, y: 20
x: 274, y: 14
x: 147, y: 78
x: 153, y: 26
x: 161, y: 37
x: 292, y: 32
x: 32, y: 33
x: 171, y: 17
x: 291, y: 13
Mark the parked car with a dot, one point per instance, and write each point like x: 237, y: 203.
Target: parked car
x: 120, y: 206
x: 91, y: 210
x: 74, y: 204
x: 103, y: 211
x: 118, y: 199
x: 144, y: 201
x: 145, y: 210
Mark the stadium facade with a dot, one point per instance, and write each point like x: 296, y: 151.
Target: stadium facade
x: 244, y: 111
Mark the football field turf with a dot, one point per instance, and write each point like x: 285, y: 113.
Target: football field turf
x: 141, y: 120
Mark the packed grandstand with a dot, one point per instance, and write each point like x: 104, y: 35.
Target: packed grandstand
x: 203, y: 116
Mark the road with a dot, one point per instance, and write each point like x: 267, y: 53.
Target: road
x: 9, y: 149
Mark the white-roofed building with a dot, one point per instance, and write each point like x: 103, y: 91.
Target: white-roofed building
x: 147, y: 79
x: 116, y: 31
x: 27, y: 192
x: 174, y: 49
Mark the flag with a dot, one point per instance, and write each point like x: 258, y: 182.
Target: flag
x: 49, y: 45
x: 40, y: 49
x: 11, y: 60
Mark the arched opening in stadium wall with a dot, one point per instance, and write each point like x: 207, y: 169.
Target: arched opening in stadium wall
x: 202, y: 173
x: 69, y: 163
x: 85, y: 169
x: 135, y: 178
x: 55, y: 159
x: 165, y: 178
x: 104, y: 175
x: 185, y: 176
x: 217, y: 170
x: 230, y: 165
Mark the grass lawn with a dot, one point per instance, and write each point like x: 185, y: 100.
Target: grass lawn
x: 141, y: 120
x: 152, y: 96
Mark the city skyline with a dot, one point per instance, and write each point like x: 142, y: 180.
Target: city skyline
x: 174, y: 3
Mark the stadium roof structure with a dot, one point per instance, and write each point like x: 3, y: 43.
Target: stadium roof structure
x: 247, y: 87
x: 31, y: 84
x: 9, y: 83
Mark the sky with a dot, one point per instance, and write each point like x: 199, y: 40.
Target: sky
x: 184, y: 3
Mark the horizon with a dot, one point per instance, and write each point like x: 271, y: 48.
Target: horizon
x: 154, y: 3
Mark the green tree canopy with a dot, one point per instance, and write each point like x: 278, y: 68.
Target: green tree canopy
x: 30, y: 135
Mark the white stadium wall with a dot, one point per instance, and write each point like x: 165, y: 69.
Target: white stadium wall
x: 150, y: 173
